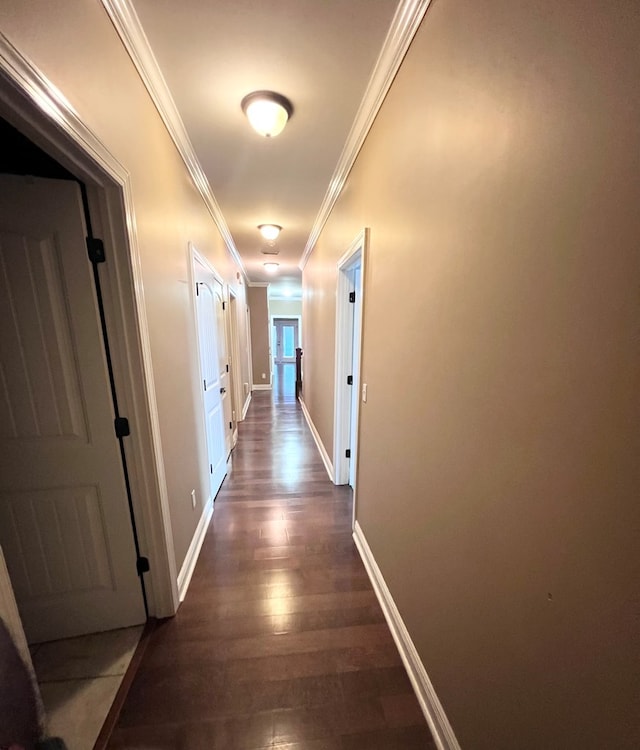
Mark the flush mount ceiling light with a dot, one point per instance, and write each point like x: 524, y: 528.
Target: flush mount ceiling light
x: 269, y: 231
x: 271, y: 267
x: 267, y: 112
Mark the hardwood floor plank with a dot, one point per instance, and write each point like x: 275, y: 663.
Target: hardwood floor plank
x: 280, y: 642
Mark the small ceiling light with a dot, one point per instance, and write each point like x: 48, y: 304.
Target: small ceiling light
x: 267, y: 112
x: 269, y: 231
x: 271, y: 267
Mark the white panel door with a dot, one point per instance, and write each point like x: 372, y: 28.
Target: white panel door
x: 210, y: 370
x: 64, y: 519
x: 223, y: 364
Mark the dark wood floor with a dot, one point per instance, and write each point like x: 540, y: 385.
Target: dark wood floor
x: 280, y: 642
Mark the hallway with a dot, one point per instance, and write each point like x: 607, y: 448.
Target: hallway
x: 280, y: 642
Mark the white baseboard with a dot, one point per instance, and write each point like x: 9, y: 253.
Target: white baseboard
x: 432, y: 709
x: 316, y: 436
x: 261, y: 387
x: 245, y: 408
x: 189, y: 564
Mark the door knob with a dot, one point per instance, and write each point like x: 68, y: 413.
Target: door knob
x: 223, y: 390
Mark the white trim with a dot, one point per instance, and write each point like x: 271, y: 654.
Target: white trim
x: 189, y: 564
x: 258, y: 283
x: 234, y: 357
x: 316, y: 436
x: 127, y: 24
x: 245, y: 408
x: 354, y: 256
x: 404, y: 25
x: 261, y: 387
x: 432, y: 709
x: 297, y: 318
x: 36, y: 106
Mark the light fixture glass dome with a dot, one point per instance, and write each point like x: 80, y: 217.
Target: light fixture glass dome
x: 269, y: 231
x: 271, y: 267
x: 267, y: 112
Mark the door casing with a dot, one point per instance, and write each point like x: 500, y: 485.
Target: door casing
x: 202, y: 273
x: 345, y: 434
x: 36, y: 108
x: 272, y: 319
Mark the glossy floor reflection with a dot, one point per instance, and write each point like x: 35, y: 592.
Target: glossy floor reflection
x: 284, y: 383
x: 280, y: 642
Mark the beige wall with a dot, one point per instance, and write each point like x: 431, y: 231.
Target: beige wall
x: 259, y: 307
x: 501, y: 184
x: 98, y: 78
x: 285, y: 307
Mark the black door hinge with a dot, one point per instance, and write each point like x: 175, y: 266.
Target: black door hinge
x: 210, y: 468
x: 95, y: 249
x: 122, y: 427
x: 227, y: 368
x: 204, y: 383
x: 347, y: 453
x: 231, y: 425
x: 349, y: 379
x: 224, y: 305
x: 352, y: 296
x: 142, y: 565
x: 197, y: 290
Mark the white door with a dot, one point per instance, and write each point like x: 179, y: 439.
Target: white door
x: 223, y: 364
x: 354, y: 280
x: 64, y: 518
x: 210, y: 374
x: 286, y: 339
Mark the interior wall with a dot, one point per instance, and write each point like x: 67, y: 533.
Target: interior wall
x: 260, y: 343
x: 285, y: 307
x: 498, y: 473
x: 98, y: 78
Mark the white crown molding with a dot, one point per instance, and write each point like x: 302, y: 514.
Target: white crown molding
x: 441, y: 730
x: 404, y: 25
x: 127, y: 24
x: 258, y: 283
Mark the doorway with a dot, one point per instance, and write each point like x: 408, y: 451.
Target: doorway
x: 235, y: 365
x: 285, y: 339
x: 64, y: 509
x: 37, y: 110
x: 349, y: 310
x: 214, y: 368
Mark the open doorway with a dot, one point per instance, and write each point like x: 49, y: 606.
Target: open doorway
x: 285, y: 339
x: 73, y: 564
x: 349, y: 309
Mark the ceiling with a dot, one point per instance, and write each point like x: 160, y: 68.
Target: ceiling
x: 318, y: 53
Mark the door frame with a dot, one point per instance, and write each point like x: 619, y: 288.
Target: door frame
x: 354, y: 256
x: 195, y: 256
x: 234, y: 356
x: 272, y: 318
x: 33, y: 105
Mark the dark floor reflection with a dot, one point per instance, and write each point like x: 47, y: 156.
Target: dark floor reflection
x: 284, y: 383
x: 280, y: 643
